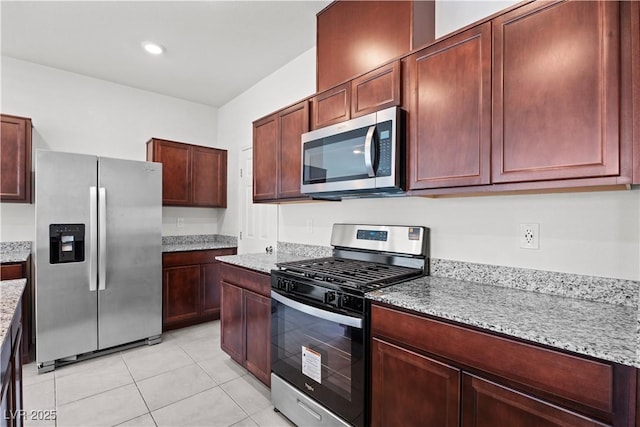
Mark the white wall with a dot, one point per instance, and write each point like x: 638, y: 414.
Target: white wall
x: 453, y: 14
x: 74, y: 113
x: 596, y: 233
x: 293, y: 82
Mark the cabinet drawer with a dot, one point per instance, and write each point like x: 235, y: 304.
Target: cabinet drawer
x: 173, y: 259
x: 259, y: 283
x: 579, y: 380
x: 12, y: 271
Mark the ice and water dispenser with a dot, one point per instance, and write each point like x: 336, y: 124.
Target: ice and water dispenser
x: 66, y: 243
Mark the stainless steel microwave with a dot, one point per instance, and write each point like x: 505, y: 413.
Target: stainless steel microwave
x: 359, y: 157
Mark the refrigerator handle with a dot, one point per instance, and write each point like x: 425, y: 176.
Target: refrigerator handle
x: 93, y: 238
x: 102, y: 239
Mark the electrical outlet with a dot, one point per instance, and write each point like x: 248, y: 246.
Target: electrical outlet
x: 530, y: 236
x: 180, y: 222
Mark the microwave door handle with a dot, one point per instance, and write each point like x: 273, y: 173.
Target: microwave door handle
x: 368, y: 159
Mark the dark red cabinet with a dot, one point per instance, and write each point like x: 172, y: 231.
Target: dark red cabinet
x: 449, y: 106
x: 556, y: 91
x: 439, y: 371
x: 277, y: 154
x: 245, y: 320
x: 191, y: 287
x: 192, y: 175
x: 15, y: 159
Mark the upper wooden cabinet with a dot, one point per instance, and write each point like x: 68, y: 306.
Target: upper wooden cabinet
x: 376, y: 90
x: 331, y: 106
x: 354, y: 37
x: 370, y: 92
x: 192, y: 175
x: 15, y: 159
x: 449, y: 106
x: 556, y: 91
x: 265, y: 158
x: 277, y: 154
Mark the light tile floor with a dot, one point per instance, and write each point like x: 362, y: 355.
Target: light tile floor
x: 186, y: 380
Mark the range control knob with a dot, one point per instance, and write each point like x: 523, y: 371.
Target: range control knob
x: 329, y: 297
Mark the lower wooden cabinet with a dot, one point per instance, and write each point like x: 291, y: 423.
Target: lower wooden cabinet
x: 430, y: 388
x: 22, y: 270
x: 427, y: 372
x: 191, y: 287
x: 486, y: 404
x: 11, y: 404
x: 245, y: 319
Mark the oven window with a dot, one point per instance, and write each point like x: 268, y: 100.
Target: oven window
x: 333, y: 354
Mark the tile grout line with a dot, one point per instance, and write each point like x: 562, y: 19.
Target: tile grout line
x: 139, y: 392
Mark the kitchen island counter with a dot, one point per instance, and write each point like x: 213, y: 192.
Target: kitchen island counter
x: 10, y: 293
x: 597, y: 329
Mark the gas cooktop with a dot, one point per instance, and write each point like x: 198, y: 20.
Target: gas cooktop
x: 357, y: 274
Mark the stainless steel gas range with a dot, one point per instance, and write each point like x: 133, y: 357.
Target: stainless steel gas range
x: 319, y: 321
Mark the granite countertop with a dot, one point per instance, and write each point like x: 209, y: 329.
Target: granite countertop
x: 14, y: 251
x: 605, y: 331
x: 198, y: 242
x: 10, y: 293
x: 260, y: 261
x: 183, y: 247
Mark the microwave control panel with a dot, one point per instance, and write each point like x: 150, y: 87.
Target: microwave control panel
x: 385, y: 142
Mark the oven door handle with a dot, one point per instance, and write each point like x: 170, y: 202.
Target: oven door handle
x: 355, y: 322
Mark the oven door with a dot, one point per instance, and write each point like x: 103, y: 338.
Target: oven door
x: 321, y: 353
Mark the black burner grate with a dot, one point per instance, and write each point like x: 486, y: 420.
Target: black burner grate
x: 360, y: 274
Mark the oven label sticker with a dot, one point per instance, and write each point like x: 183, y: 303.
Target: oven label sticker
x: 312, y: 364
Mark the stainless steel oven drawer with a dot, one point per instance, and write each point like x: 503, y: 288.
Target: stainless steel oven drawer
x: 299, y: 408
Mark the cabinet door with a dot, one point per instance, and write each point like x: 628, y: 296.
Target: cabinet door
x: 485, y: 404
x: 409, y: 389
x: 354, y: 37
x: 18, y: 404
x: 176, y: 171
x: 258, y: 335
x: 211, y: 290
x: 232, y: 321
x: 293, y: 122
x: 15, y: 159
x: 265, y: 161
x: 181, y: 294
x: 376, y: 90
x: 450, y: 111
x: 209, y: 177
x: 556, y: 91
x: 332, y: 106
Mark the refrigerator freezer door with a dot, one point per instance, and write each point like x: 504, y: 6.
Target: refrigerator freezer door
x: 66, y: 308
x: 130, y: 282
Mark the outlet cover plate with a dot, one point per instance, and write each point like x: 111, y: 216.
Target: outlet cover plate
x: 530, y: 236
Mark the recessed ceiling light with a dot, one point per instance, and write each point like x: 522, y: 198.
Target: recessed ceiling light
x: 153, y: 48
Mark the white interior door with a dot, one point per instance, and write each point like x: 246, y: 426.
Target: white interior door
x: 259, y: 222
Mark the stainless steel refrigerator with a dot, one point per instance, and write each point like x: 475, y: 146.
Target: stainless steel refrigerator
x: 98, y: 256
